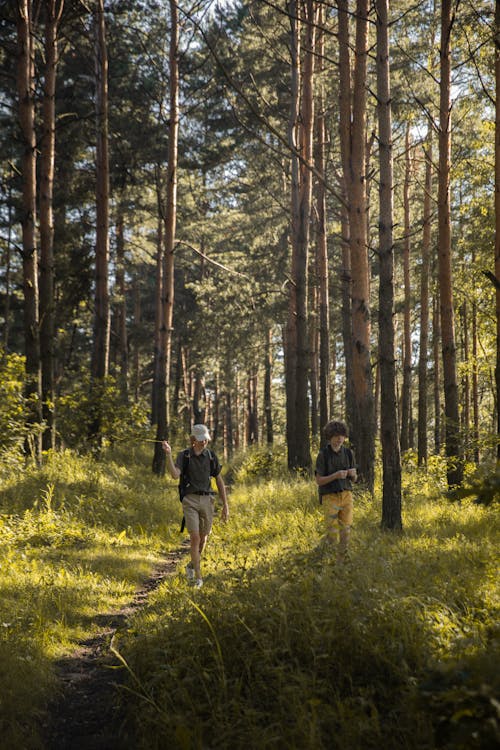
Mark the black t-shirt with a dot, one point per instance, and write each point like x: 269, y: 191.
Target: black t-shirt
x: 199, y: 470
x: 328, y: 462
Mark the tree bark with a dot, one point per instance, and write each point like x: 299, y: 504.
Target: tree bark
x: 268, y: 371
x: 25, y: 91
x: 345, y: 150
x: 158, y: 302
x: 497, y: 214
x: 407, y: 347
x: 301, y: 139
x: 100, y: 351
x: 391, y: 460
x: 170, y: 229
x: 321, y: 238
x: 121, y: 309
x: 53, y: 12
x: 452, y: 423
x: 436, y: 342
x: 422, y: 444
x: 363, y: 437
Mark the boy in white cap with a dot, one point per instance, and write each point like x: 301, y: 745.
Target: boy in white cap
x: 197, y: 465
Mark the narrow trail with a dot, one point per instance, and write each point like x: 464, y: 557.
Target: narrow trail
x: 84, y: 716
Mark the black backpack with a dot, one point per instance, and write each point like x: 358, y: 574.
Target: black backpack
x: 183, y: 478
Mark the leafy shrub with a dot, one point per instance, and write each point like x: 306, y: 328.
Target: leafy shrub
x: 483, y: 486
x: 259, y: 462
x: 12, y: 404
x: 118, y: 421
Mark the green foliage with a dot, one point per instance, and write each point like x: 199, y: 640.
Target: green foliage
x: 259, y: 462
x: 76, y: 538
x: 12, y: 407
x: 282, y: 649
x: 118, y: 421
x: 483, y: 487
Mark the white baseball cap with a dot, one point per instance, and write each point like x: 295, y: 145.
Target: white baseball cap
x: 200, y: 432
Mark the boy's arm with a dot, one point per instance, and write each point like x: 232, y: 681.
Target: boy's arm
x: 223, y: 496
x: 341, y: 474
x: 173, y: 470
x: 352, y: 473
x: 326, y: 479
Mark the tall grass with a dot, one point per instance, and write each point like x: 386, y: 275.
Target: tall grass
x: 76, y: 539
x: 281, y: 649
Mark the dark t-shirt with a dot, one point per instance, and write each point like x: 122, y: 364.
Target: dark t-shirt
x: 328, y: 462
x: 198, y: 470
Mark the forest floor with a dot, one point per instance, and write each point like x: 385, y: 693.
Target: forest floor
x: 85, y: 715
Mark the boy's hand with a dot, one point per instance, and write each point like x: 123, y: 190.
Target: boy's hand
x: 342, y: 474
x: 166, y: 447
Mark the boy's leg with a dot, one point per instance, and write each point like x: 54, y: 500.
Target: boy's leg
x: 345, y: 522
x: 191, y: 507
x: 194, y: 538
x: 331, y: 510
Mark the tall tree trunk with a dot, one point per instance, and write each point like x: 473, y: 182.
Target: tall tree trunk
x: 391, y: 460
x: 436, y: 342
x: 475, y: 391
x: 53, y: 11
x: 465, y: 396
x: 321, y: 238
x: 299, y: 455
x: 423, y: 359
x: 268, y: 372
x: 199, y: 405
x: 25, y: 91
x: 121, y: 311
x: 345, y: 148
x: 100, y: 352
x: 137, y: 323
x: 7, y: 265
x: 160, y: 252
x: 314, y: 353
x: 170, y: 228
x: 497, y: 212
x: 407, y: 348
x: 252, y: 420
x: 452, y: 425
x: 364, y: 438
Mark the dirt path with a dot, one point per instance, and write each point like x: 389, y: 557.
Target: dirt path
x: 85, y: 716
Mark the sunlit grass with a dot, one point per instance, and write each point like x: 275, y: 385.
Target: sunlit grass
x: 281, y: 648
x: 76, y: 540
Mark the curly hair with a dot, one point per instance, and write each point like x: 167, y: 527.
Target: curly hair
x: 335, y: 428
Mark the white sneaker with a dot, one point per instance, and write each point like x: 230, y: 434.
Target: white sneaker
x: 189, y: 572
x: 198, y: 583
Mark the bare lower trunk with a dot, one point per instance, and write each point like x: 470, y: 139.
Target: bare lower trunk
x: 452, y: 424
x: 170, y: 229
x: 424, y: 309
x: 391, y: 461
x: 53, y: 12
x: 25, y: 90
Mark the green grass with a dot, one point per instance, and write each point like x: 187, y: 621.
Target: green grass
x: 280, y: 649
x: 76, y: 540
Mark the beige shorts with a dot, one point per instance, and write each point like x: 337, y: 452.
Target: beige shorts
x: 338, y: 510
x: 199, y: 513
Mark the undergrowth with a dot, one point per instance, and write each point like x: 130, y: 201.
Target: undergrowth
x: 280, y: 648
x: 76, y: 539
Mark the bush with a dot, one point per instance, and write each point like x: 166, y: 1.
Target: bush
x: 12, y: 403
x: 259, y: 462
